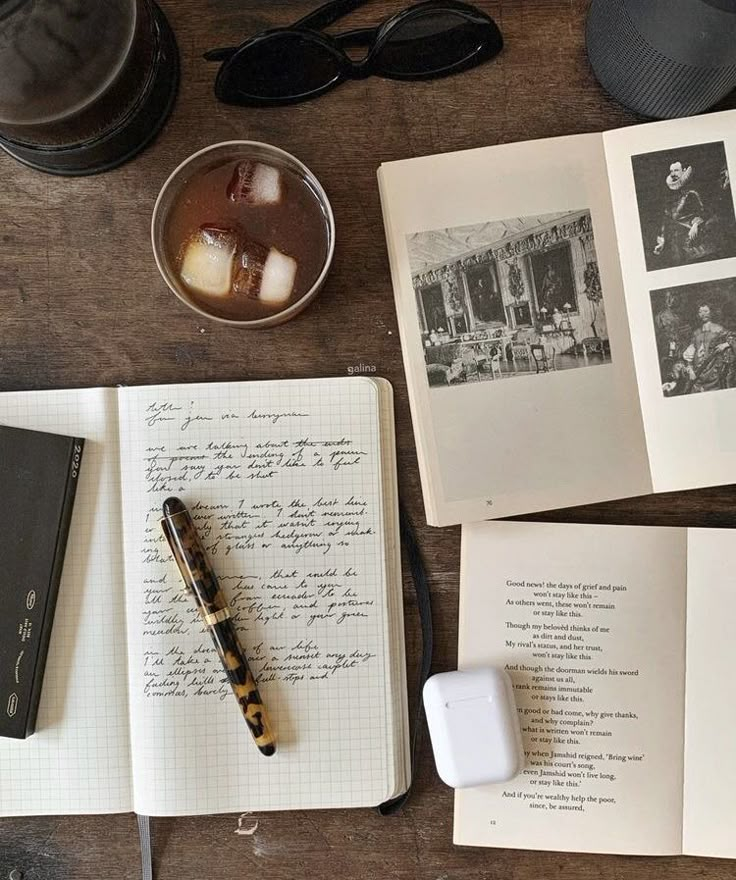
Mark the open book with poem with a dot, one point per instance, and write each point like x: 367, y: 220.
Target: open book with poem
x: 567, y: 311
x: 292, y: 486
x: 619, y: 642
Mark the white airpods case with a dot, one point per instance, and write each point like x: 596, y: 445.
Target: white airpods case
x: 474, y: 726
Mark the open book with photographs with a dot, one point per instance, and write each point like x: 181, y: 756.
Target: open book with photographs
x: 567, y: 311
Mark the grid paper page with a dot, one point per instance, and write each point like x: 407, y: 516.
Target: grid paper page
x: 284, y: 481
x: 78, y: 760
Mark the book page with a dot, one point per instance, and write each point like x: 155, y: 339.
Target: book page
x: 589, y: 621
x: 674, y: 209
x: 78, y: 760
x: 513, y: 329
x: 284, y: 482
x: 710, y: 707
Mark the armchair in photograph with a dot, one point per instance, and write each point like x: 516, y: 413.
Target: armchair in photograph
x: 521, y: 352
x: 593, y: 345
x: 470, y: 368
x: 544, y: 357
x: 488, y: 357
x: 438, y: 374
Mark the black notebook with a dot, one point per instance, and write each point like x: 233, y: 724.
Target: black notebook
x: 38, y: 477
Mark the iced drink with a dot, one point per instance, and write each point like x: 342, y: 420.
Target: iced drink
x: 246, y: 238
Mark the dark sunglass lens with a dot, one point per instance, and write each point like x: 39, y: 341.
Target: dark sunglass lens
x: 436, y: 41
x: 279, y: 67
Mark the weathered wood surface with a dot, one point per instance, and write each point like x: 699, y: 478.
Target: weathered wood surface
x: 81, y: 303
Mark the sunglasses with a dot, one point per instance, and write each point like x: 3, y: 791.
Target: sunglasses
x: 287, y: 65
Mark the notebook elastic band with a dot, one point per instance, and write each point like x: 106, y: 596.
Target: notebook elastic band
x: 421, y: 588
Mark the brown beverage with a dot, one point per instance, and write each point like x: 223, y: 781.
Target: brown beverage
x: 246, y: 238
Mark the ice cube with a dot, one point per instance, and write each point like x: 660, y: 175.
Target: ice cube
x: 249, y: 274
x: 207, y: 261
x: 255, y: 183
x: 278, y: 278
x: 265, y: 274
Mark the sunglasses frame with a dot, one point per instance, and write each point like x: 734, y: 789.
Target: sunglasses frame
x: 347, y: 69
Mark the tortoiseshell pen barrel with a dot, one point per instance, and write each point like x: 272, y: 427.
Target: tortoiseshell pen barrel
x: 201, y: 580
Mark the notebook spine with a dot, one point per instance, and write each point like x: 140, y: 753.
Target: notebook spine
x: 75, y: 461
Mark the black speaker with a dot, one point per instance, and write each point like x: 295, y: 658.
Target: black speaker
x: 664, y: 58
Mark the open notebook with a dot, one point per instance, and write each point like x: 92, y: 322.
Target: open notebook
x: 293, y: 485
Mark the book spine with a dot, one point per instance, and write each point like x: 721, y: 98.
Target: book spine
x: 75, y: 461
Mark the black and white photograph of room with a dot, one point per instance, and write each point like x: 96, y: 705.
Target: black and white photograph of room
x: 509, y: 298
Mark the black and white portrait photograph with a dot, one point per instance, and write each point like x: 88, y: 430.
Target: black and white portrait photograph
x: 695, y: 331
x: 509, y: 298
x: 685, y: 205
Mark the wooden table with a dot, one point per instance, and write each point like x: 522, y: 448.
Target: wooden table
x: 82, y: 304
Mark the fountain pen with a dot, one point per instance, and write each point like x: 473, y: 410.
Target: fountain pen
x: 200, y: 579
